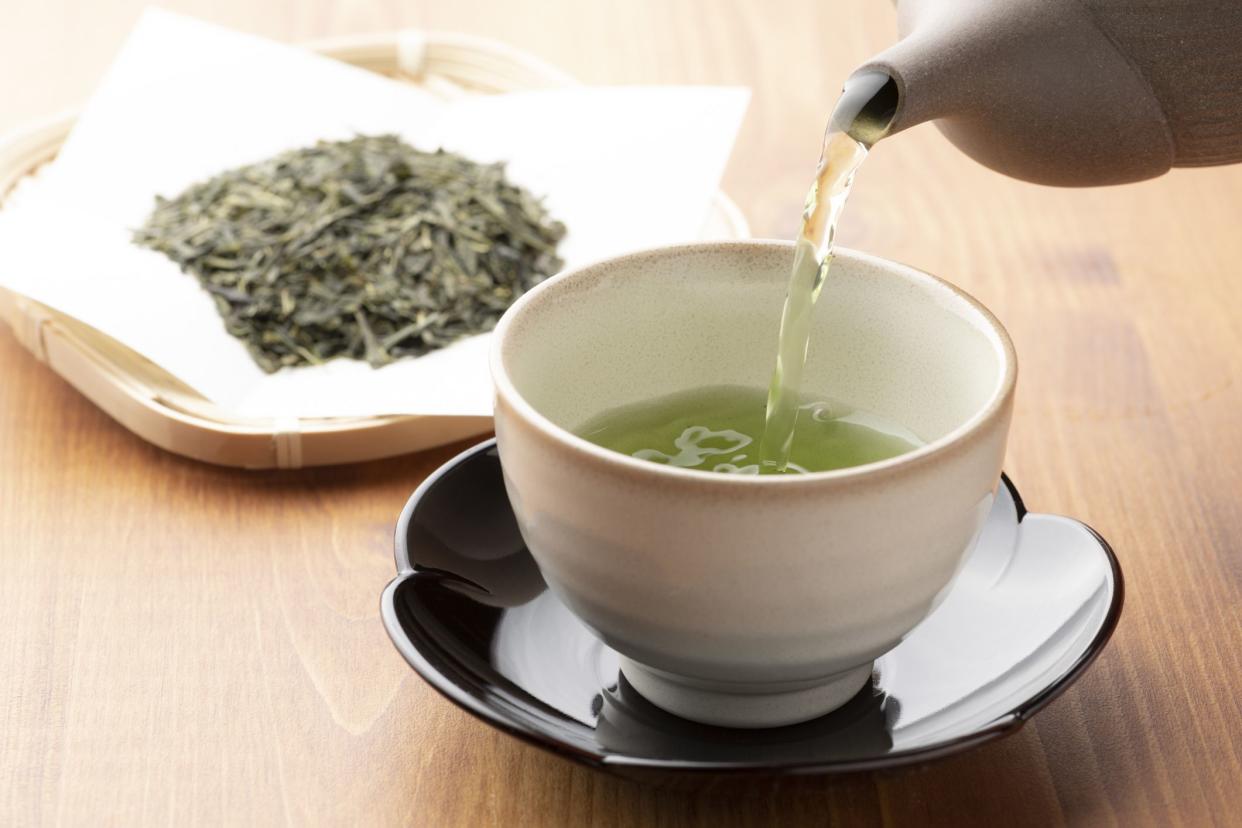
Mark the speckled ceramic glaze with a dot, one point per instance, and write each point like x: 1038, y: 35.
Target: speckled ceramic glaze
x: 737, y: 600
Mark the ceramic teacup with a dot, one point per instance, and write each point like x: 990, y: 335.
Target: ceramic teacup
x: 740, y: 600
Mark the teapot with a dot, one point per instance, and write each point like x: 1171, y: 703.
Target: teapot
x: 1061, y: 92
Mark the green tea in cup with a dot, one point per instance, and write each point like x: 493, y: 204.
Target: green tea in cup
x: 720, y: 428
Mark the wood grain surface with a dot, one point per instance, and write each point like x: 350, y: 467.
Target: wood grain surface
x: 182, y: 644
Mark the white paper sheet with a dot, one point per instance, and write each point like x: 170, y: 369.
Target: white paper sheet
x: 624, y: 168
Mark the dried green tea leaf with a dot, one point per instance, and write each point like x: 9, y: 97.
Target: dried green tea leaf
x: 367, y: 248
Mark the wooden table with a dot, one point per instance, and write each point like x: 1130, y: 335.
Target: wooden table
x: 186, y: 644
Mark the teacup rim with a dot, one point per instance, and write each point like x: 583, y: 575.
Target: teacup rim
x: 505, y: 389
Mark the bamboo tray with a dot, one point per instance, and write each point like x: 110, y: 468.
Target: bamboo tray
x: 164, y: 411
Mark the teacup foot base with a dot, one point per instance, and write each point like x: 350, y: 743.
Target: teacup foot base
x: 745, y: 705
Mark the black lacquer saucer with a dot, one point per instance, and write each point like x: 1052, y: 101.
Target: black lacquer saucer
x: 1033, y: 606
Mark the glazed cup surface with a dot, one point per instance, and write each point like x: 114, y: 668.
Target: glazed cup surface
x: 733, y: 599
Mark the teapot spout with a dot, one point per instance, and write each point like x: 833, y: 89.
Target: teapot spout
x: 1031, y: 88
x: 867, y: 106
x: 908, y: 84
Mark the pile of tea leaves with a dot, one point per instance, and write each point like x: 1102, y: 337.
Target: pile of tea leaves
x: 366, y: 248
